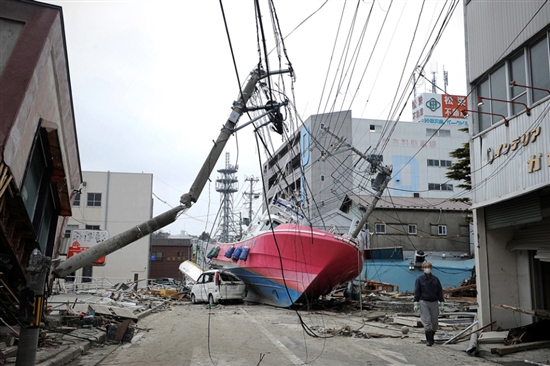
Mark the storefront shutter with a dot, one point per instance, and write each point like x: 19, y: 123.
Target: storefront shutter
x: 519, y: 210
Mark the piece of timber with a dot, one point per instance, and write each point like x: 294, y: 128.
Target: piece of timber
x: 520, y: 347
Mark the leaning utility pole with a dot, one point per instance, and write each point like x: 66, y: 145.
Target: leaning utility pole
x: 383, y: 178
x: 119, y: 241
x: 380, y: 183
x: 251, y: 195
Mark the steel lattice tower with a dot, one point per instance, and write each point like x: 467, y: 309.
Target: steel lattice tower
x: 227, y: 184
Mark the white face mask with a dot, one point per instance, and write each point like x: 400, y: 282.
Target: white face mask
x: 427, y: 270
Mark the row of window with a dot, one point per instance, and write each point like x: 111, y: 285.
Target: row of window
x: 380, y: 228
x: 440, y: 163
x: 92, y: 200
x: 69, y: 228
x: 438, y: 132
x: 440, y: 187
x: 529, y: 66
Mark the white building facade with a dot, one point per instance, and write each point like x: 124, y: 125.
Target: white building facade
x: 113, y: 202
x: 508, y: 70
x: 320, y: 169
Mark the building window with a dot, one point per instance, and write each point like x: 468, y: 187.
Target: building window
x: 446, y: 187
x: 76, y: 202
x: 93, y: 227
x: 440, y: 163
x: 441, y: 229
x: 440, y: 187
x: 438, y: 132
x: 412, y: 229
x: 540, y: 74
x: 380, y: 228
x: 536, y: 56
x: 69, y: 229
x: 517, y: 73
x: 94, y: 200
x: 156, y: 255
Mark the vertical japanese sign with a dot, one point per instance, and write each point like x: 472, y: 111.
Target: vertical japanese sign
x: 82, y: 240
x: 440, y: 109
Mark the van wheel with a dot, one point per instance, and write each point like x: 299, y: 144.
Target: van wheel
x: 193, y: 299
x: 211, y: 299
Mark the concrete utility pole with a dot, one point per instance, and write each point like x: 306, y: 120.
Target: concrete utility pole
x: 251, y: 195
x: 121, y: 240
x: 384, y: 174
x: 30, y: 308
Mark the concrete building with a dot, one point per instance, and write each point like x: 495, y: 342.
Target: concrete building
x: 167, y: 253
x: 415, y: 223
x: 332, y: 172
x: 508, y: 70
x: 39, y: 161
x: 113, y: 202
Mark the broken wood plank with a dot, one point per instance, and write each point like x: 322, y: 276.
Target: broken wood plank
x: 493, y: 337
x: 113, y: 311
x: 121, y: 329
x: 458, y: 289
x: 520, y: 347
x: 537, y: 312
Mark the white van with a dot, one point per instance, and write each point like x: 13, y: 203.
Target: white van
x: 216, y: 285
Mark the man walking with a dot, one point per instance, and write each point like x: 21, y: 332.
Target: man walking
x: 427, y: 292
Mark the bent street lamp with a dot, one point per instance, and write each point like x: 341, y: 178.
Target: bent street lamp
x: 465, y: 113
x: 480, y: 103
x: 513, y: 83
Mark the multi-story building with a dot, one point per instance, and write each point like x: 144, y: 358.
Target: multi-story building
x: 39, y: 161
x: 167, y: 253
x: 319, y: 169
x: 113, y: 202
x: 508, y: 71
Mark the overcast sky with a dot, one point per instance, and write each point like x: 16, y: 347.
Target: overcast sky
x: 154, y: 81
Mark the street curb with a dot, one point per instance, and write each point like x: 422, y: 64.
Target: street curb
x: 73, y: 351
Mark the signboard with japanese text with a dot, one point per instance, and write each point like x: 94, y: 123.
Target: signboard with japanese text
x: 440, y: 109
x: 85, y: 239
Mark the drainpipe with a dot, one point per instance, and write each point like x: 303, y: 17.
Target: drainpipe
x: 107, y: 200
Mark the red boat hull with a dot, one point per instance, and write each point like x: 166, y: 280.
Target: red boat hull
x: 292, y: 264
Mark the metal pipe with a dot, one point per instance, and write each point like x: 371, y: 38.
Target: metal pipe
x: 461, y: 333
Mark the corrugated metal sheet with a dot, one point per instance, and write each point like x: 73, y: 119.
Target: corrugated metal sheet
x: 520, y: 210
x: 491, y: 30
x: 508, y: 174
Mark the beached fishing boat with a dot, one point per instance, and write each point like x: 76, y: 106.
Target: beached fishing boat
x: 285, y: 263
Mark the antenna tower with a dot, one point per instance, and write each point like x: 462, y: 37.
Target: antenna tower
x: 227, y: 184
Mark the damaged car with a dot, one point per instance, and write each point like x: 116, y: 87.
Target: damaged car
x: 216, y: 286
